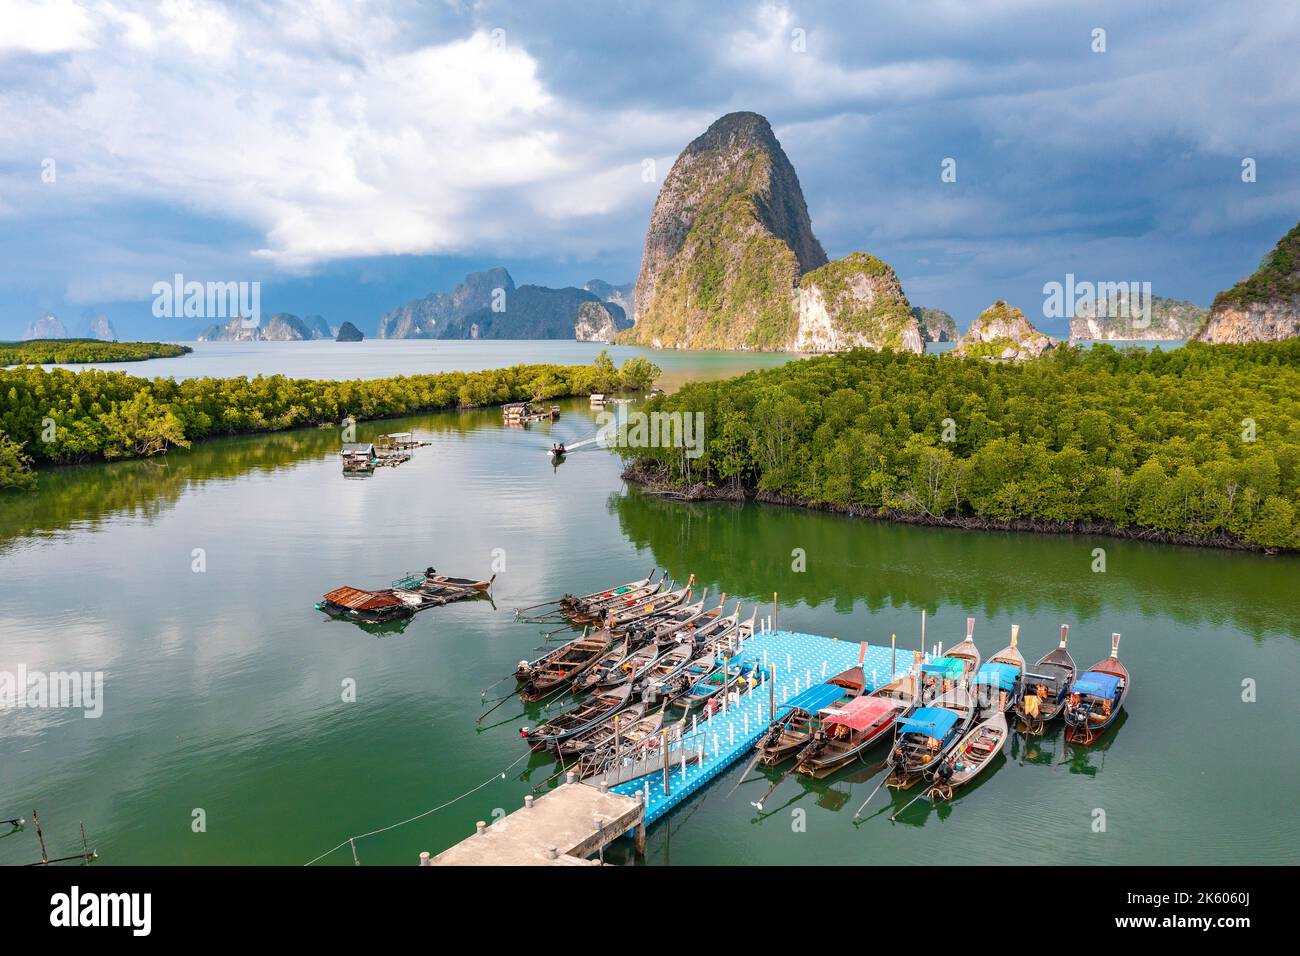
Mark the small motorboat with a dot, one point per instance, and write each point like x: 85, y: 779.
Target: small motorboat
x: 998, y: 678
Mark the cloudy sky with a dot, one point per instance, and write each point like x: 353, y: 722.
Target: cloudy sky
x: 353, y: 155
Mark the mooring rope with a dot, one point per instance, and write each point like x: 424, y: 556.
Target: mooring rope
x: 500, y: 775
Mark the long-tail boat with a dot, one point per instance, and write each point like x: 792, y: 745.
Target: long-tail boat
x: 587, y: 714
x: 670, y: 628
x: 1096, y: 697
x: 792, y: 731
x: 601, y: 734
x: 567, y: 662
x: 998, y: 678
x: 850, y: 729
x: 604, y: 665
x: 972, y: 755
x: 707, y: 675
x: 652, y: 605
x: 599, y: 609
x: 635, y: 737
x: 925, y: 736
x: 627, y: 670
x: 966, y: 651
x: 648, y: 629
x: 793, y: 727
x: 574, y: 601
x: 656, y: 681
x: 1046, y: 688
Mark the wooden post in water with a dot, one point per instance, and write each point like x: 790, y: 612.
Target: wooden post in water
x: 36, y: 817
x: 922, y: 630
x: 776, y: 613
x: 663, y: 752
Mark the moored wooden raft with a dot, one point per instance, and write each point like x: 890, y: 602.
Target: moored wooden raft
x: 404, y: 598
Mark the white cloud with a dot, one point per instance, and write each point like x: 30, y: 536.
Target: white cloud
x: 374, y: 148
x: 44, y: 26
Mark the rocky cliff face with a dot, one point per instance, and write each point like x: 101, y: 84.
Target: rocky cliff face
x: 595, y: 323
x: 47, y: 326
x: 728, y: 239
x: 1264, y: 307
x: 854, y: 302
x: 1123, y: 321
x: 428, y: 318
x: 731, y: 262
x: 936, y: 325
x: 620, y: 295
x: 1002, y: 333
x: 349, y: 333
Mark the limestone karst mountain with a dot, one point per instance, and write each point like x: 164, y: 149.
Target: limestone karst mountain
x: 47, y: 326
x: 1002, y: 333
x: 730, y: 260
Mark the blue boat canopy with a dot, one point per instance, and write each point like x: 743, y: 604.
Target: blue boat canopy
x: 1096, y: 684
x: 945, y: 667
x: 996, y: 674
x: 931, y: 721
x: 813, y: 699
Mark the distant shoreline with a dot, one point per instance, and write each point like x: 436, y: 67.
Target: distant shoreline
x: 85, y: 352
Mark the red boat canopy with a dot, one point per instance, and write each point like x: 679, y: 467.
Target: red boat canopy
x: 862, y: 713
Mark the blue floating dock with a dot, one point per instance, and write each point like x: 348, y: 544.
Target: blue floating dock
x: 800, y: 660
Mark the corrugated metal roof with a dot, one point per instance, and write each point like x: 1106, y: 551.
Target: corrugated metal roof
x: 359, y: 600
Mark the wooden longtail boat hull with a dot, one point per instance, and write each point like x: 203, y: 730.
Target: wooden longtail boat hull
x: 1056, y: 671
x: 972, y: 755
x: 912, y: 755
x: 1084, y: 725
x: 566, y: 663
x: 570, y: 599
x: 601, y: 733
x: 823, y: 757
x: 572, y: 722
x: 637, y: 736
x: 630, y: 667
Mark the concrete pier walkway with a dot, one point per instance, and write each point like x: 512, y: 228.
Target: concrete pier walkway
x: 561, y: 828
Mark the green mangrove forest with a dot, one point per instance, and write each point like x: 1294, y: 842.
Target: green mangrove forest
x: 1198, y: 445
x: 62, y: 417
x: 85, y: 351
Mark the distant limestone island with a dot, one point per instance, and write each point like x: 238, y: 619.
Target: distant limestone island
x: 349, y: 333
x: 488, y: 305
x: 281, y: 327
x: 1002, y: 333
x: 1120, y: 320
x: 48, y: 326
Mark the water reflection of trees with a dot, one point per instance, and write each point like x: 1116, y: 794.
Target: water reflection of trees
x: 89, y: 495
x: 747, y: 550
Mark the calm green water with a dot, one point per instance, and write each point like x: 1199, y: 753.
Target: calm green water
x: 223, y: 689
